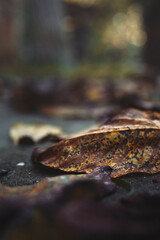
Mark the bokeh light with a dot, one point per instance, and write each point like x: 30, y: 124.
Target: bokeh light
x: 126, y: 28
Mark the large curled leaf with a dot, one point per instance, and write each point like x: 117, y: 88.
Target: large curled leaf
x: 128, y: 143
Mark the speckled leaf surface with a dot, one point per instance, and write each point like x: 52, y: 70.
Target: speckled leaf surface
x: 129, y: 142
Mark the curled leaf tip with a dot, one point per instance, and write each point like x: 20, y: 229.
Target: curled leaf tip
x: 35, y: 154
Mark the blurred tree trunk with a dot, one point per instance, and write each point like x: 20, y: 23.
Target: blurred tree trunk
x: 7, y: 32
x: 43, y: 38
x: 151, y: 52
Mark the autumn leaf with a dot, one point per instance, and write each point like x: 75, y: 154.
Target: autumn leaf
x: 128, y: 143
x: 24, y: 133
x: 51, y: 187
x: 45, y: 186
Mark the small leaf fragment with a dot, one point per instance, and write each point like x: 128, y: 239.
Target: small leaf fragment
x: 28, y: 133
x: 128, y: 143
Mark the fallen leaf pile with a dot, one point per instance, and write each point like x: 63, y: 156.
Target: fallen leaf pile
x: 27, y: 204
x: 73, y: 206
x: 128, y: 143
x: 71, y: 112
x: 21, y: 133
x: 56, y: 96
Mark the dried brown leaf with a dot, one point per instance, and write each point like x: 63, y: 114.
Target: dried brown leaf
x: 45, y: 186
x: 128, y: 143
x: 50, y: 187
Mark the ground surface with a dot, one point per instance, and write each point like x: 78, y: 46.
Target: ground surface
x: 11, y: 155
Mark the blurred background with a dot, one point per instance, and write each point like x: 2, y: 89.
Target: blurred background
x: 84, y: 41
x: 115, y: 37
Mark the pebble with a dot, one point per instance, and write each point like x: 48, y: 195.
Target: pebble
x: 35, y: 181
x: 20, y: 164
